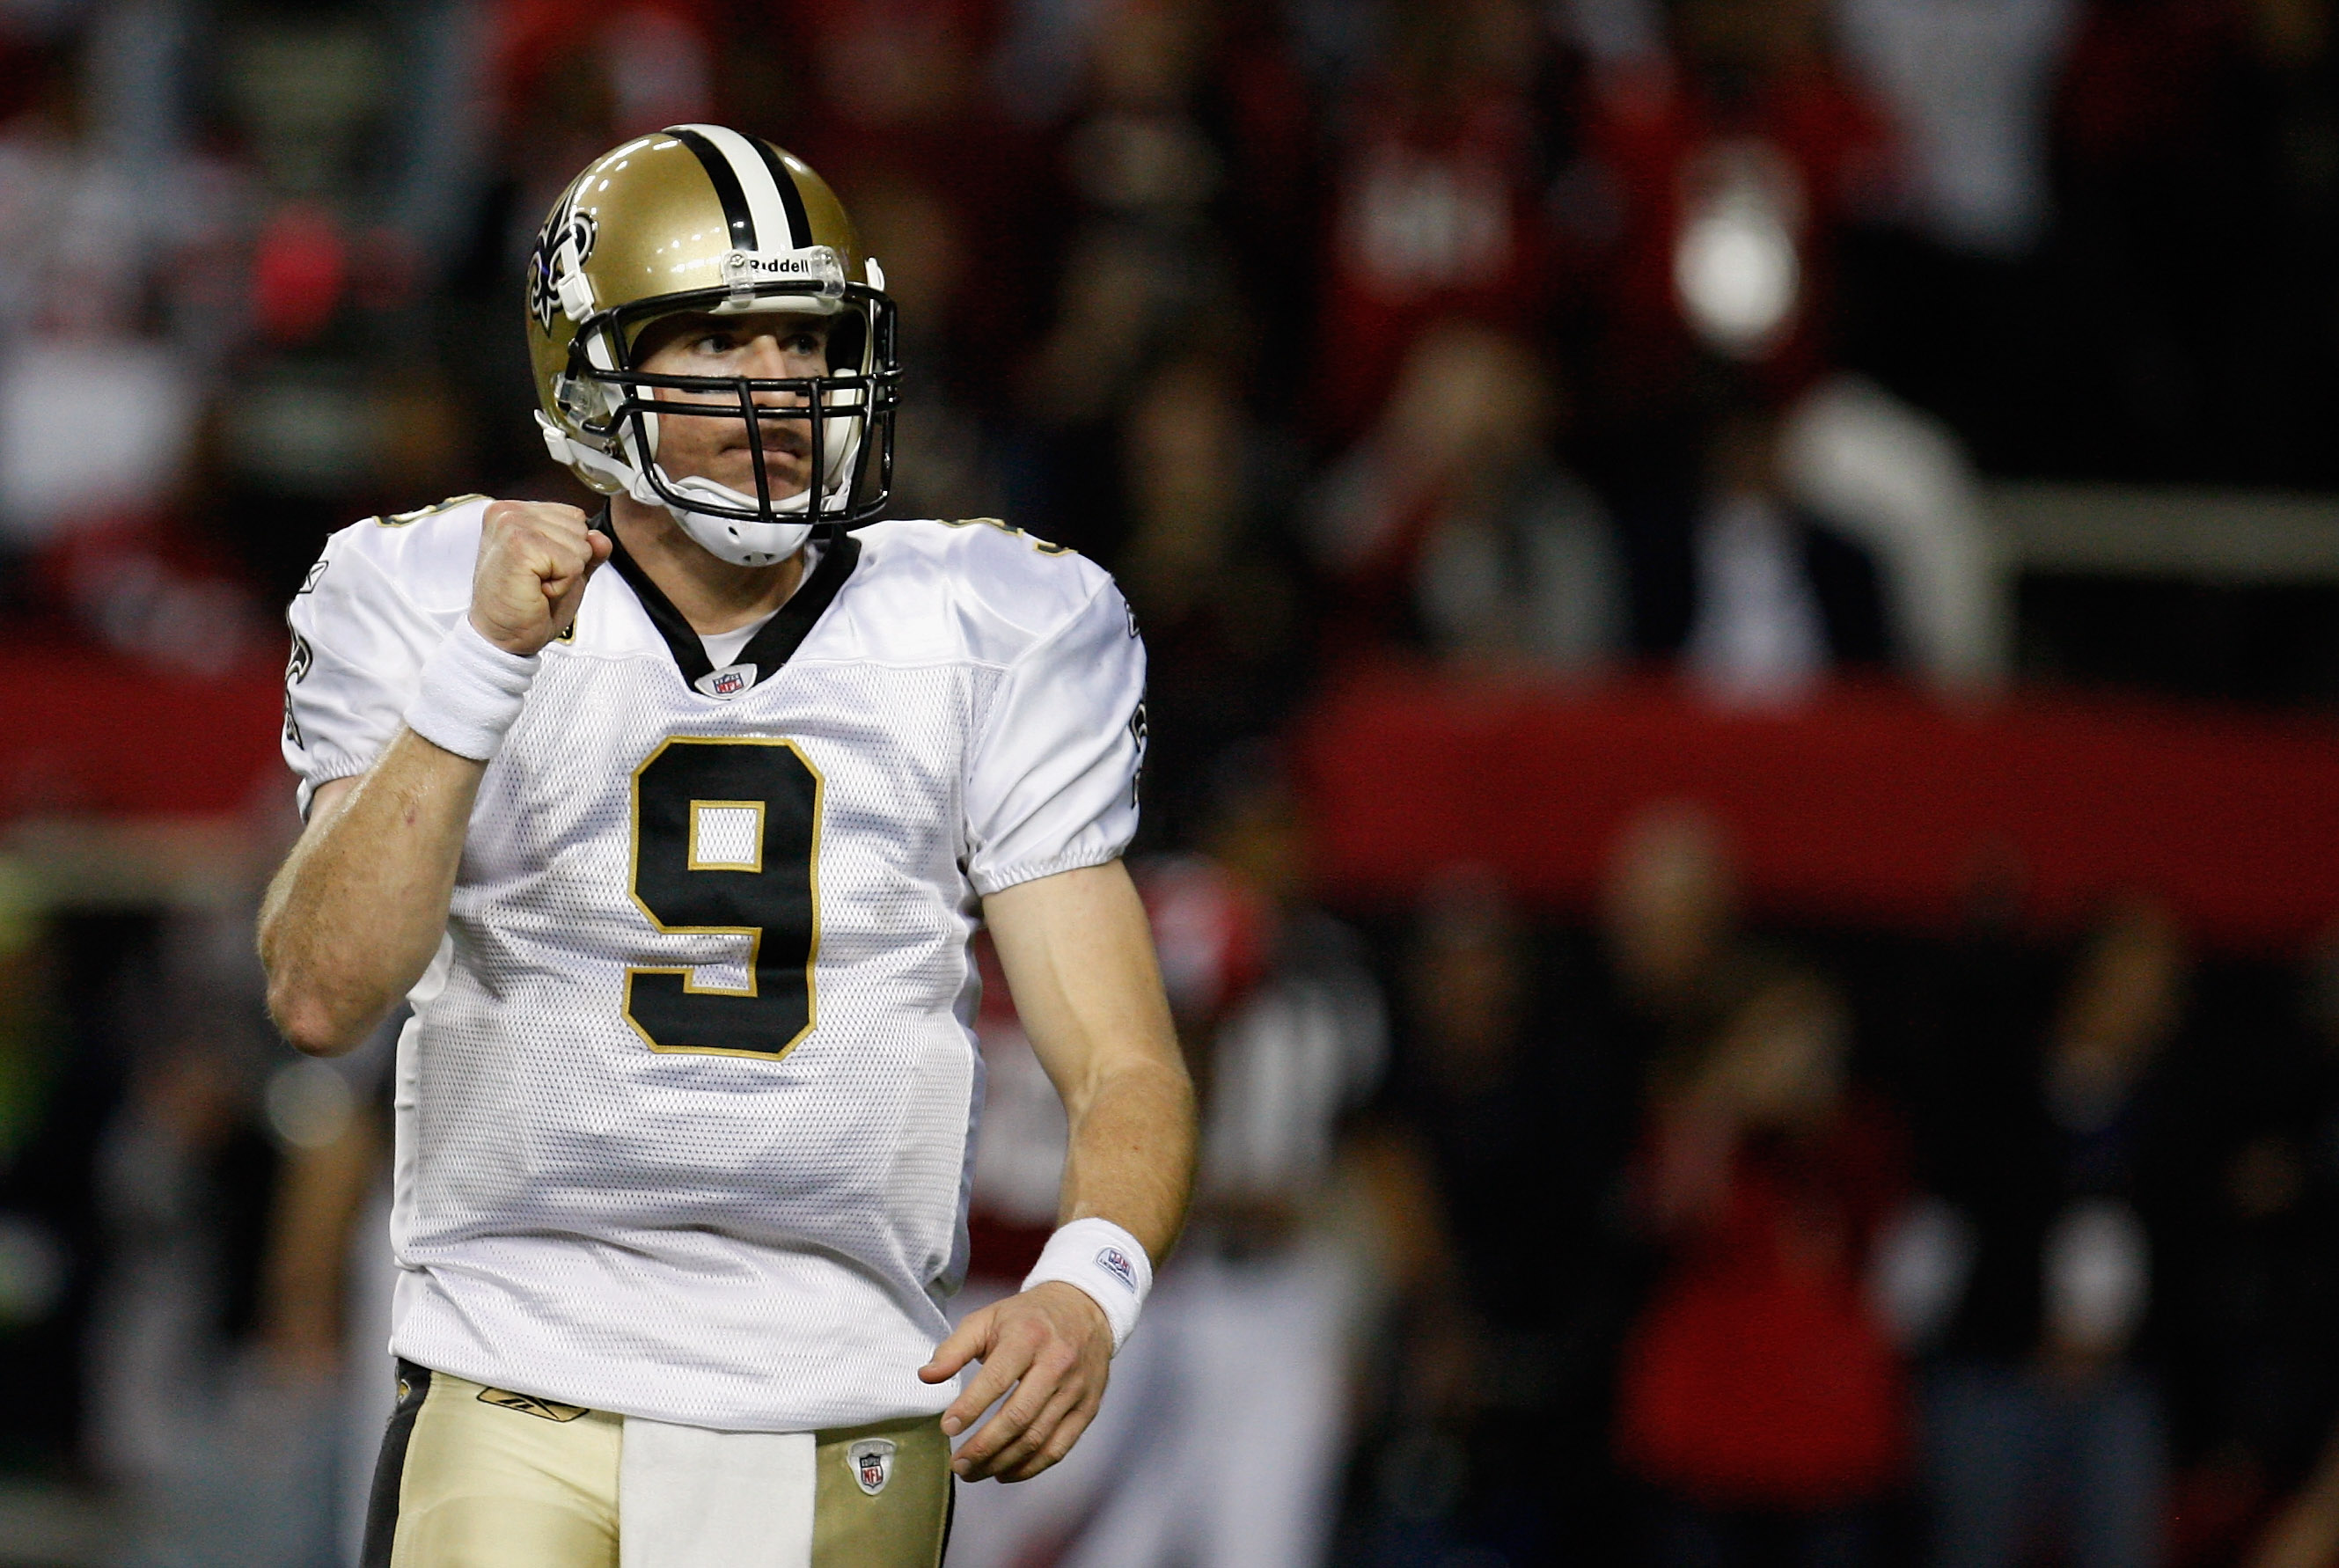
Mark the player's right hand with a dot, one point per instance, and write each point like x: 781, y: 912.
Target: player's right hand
x: 534, y: 558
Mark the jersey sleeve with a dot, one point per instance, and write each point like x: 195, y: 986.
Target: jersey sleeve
x: 357, y: 647
x: 1054, y: 782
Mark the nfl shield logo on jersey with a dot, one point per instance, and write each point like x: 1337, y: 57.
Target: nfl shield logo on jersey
x: 727, y: 681
x: 872, y: 1462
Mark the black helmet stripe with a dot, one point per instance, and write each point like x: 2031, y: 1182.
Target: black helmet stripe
x: 736, y: 213
x: 792, y: 198
x: 775, y: 209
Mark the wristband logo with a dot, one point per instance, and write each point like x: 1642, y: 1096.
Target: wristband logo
x: 1115, y: 1262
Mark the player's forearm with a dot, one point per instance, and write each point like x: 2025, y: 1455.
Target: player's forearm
x: 354, y: 916
x: 1131, y: 1155
x: 1079, y: 956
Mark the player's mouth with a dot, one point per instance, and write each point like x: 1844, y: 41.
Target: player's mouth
x: 782, y: 438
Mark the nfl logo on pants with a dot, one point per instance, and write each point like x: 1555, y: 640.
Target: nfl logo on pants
x: 871, y: 1461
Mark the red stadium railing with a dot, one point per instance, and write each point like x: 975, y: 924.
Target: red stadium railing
x: 1866, y: 803
x: 89, y: 735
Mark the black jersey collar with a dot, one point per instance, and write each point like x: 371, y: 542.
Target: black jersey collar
x: 781, y: 636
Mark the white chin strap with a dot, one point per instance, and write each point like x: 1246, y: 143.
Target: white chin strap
x: 743, y: 544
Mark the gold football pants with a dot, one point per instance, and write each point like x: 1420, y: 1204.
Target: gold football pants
x: 476, y: 1477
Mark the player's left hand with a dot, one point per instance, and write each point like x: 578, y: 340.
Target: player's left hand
x: 1050, y: 1344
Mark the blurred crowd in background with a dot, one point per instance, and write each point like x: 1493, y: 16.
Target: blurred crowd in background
x: 1545, y: 341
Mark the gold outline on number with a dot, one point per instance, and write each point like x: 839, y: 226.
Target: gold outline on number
x: 1044, y: 545
x: 753, y: 933
x: 691, y: 859
x: 406, y: 519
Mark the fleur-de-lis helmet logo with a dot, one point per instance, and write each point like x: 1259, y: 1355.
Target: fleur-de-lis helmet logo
x: 563, y: 246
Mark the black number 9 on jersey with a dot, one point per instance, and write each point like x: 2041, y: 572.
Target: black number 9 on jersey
x: 727, y: 834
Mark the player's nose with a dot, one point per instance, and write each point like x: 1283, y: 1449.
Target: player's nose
x: 768, y: 359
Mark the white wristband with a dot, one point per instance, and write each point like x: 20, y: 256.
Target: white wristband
x: 470, y: 693
x: 1105, y: 1262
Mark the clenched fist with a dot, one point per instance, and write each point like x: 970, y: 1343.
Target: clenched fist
x: 533, y: 559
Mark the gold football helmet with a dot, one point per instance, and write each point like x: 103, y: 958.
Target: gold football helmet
x: 702, y: 218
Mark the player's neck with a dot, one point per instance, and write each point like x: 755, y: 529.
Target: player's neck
x: 713, y: 595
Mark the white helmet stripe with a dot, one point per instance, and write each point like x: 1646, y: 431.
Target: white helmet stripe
x: 771, y: 211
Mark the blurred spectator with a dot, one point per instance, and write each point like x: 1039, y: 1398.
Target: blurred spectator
x: 44, y: 1256
x: 947, y: 439
x: 113, y: 302
x: 2257, y: 1266
x: 886, y: 98
x: 1564, y: 1118
x: 1971, y: 90
x: 1716, y: 183
x: 1145, y: 252
x: 122, y: 295
x: 114, y: 225
x: 1483, y: 1101
x: 1728, y: 172
x: 1222, y: 1440
x: 1469, y: 1450
x: 1759, y: 1395
x: 224, y: 1454
x: 359, y: 132
x: 172, y: 1300
x: 1206, y: 569
x: 1178, y: 203
x: 2198, y: 223
x: 1451, y: 523
x: 1669, y: 917
x: 1667, y: 929
x: 2044, y: 1413
x: 1776, y: 596
x: 1439, y: 167
x: 328, y: 1275
x: 569, y: 92
x: 2306, y: 1533
x: 1970, y: 87
x: 1122, y: 194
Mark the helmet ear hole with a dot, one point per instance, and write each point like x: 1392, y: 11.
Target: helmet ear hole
x: 848, y: 343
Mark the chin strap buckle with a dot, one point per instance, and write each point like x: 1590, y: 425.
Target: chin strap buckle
x: 576, y: 295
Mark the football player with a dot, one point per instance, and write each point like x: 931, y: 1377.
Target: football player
x: 674, y: 824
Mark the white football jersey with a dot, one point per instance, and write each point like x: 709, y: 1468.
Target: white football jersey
x: 686, y: 1108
